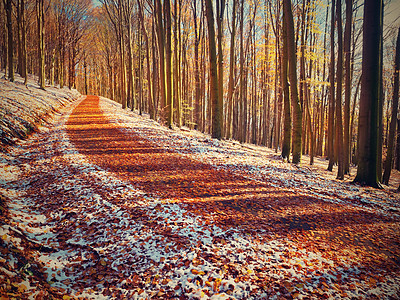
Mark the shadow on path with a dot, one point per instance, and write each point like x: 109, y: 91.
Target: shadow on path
x: 231, y: 200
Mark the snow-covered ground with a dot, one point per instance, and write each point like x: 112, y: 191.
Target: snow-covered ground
x: 24, y: 107
x: 108, y: 239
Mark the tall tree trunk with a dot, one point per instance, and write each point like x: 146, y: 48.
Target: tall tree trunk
x: 161, y: 55
x: 155, y: 71
x: 220, y: 5
x: 339, y: 79
x: 168, y: 63
x: 393, y: 121
x: 10, y: 47
x: 196, y: 116
x: 41, y: 54
x: 348, y: 75
x: 176, y: 80
x: 146, y: 39
x: 331, y: 117
x: 21, y: 20
x: 287, y: 124
x: 131, y: 94
x: 242, y: 93
x: 379, y: 164
x: 231, y: 73
x: 297, y: 111
x: 370, y: 95
x: 214, y: 93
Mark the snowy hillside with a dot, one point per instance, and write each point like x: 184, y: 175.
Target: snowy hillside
x: 23, y: 108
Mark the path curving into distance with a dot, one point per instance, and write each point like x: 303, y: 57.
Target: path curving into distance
x: 347, y: 244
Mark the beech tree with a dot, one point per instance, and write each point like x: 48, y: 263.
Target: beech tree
x: 214, y: 93
x: 287, y: 124
x: 370, y: 95
x: 10, y: 45
x: 393, y: 122
x: 41, y: 43
x: 338, y: 103
x: 291, y: 53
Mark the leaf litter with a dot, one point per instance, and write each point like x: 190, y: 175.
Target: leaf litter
x: 125, y: 208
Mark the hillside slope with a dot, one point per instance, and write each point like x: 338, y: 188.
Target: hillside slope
x: 24, y: 108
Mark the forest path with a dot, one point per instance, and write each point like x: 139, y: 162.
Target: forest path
x: 232, y: 201
x: 123, y: 210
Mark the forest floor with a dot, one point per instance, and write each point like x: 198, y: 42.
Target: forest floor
x: 103, y: 203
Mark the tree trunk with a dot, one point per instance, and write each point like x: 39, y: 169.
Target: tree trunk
x: 196, y: 116
x: 131, y: 78
x: 370, y: 95
x: 176, y: 80
x: 379, y: 164
x: 40, y: 21
x: 242, y: 92
x: 220, y: 27
x: 10, y: 47
x: 161, y: 55
x: 214, y: 93
x: 297, y: 111
x: 331, y: 118
x: 287, y: 124
x: 168, y: 63
x: 231, y: 73
x: 339, y: 79
x: 393, y: 121
x: 149, y: 84
x: 22, y: 40
x: 348, y: 75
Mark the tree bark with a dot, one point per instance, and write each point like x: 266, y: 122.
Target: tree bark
x: 331, y: 117
x: 370, y: 95
x: 41, y: 54
x: 168, y: 63
x: 339, y: 79
x: 287, y: 124
x: 10, y: 47
x: 393, y: 121
x: 231, y: 73
x: 297, y: 111
x: 220, y: 5
x: 161, y: 55
x: 348, y: 78
x: 216, y: 120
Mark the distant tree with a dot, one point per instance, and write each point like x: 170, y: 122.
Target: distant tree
x: 393, y: 121
x: 22, y: 54
x: 197, y: 105
x: 41, y: 43
x: 10, y: 45
x: 370, y: 95
x: 146, y: 38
